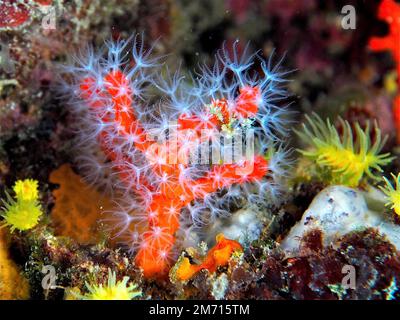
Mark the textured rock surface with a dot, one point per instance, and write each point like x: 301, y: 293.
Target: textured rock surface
x: 243, y: 226
x: 338, y: 210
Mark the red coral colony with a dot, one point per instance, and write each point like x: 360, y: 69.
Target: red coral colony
x: 111, y: 92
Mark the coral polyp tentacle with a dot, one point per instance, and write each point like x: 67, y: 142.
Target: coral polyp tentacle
x: 158, y: 154
x: 348, y: 157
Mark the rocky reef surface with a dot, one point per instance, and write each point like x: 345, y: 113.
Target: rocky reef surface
x: 325, y: 235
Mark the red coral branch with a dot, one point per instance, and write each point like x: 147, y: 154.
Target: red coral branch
x: 389, y: 11
x: 166, y: 204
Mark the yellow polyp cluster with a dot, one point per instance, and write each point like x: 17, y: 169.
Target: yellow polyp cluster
x: 113, y: 290
x: 26, y: 190
x: 23, y: 212
x: 393, y: 193
x: 348, y: 157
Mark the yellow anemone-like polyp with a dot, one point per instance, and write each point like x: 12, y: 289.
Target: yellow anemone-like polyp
x: 393, y: 193
x: 112, y: 290
x: 22, y: 213
x: 347, y: 157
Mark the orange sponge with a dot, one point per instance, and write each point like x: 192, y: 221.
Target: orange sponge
x: 78, y: 207
x: 218, y: 256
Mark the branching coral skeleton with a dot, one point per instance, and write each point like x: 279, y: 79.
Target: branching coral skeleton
x: 117, y: 125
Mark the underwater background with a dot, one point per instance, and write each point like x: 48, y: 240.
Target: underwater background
x: 92, y: 94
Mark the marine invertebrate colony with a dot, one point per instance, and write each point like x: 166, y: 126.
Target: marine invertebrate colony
x: 71, y: 198
x: 347, y: 157
x: 389, y: 11
x: 23, y: 213
x: 218, y: 256
x: 393, y: 193
x: 161, y: 178
x: 112, y: 290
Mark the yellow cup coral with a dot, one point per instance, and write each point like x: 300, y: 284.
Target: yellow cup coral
x: 26, y: 190
x: 347, y: 157
x: 113, y: 290
x: 392, y: 193
x: 23, y: 213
